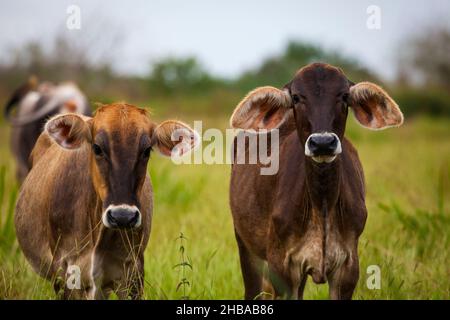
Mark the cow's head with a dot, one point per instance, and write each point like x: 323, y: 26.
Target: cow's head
x: 119, y: 139
x: 319, y: 96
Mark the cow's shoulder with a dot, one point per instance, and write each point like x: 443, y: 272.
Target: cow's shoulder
x: 291, y: 175
x: 353, y: 187
x: 352, y: 164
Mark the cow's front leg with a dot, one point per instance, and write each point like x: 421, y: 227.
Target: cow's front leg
x: 280, y: 277
x: 130, y: 289
x: 342, y: 281
x: 251, y: 268
x: 101, y: 281
x: 100, y: 293
x: 100, y: 289
x: 131, y: 284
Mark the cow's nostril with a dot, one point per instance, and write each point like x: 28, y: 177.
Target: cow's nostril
x: 334, y: 141
x: 135, y: 218
x: 110, y: 217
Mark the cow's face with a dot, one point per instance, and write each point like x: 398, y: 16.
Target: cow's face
x: 119, y: 139
x: 319, y: 97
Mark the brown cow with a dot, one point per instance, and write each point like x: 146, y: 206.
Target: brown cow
x: 35, y: 104
x: 307, y: 218
x: 86, y: 204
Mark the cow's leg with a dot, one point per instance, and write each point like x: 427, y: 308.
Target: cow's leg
x: 59, y: 279
x: 131, y: 285
x: 137, y: 287
x: 100, y: 288
x: 102, y: 293
x: 58, y: 287
x: 301, y: 287
x: 342, y: 282
x: 101, y: 283
x: 267, y: 287
x: 283, y: 290
x: 131, y: 289
x: 251, y: 269
x: 59, y: 283
x: 281, y: 282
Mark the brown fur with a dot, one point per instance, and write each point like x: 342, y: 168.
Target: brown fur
x: 59, y: 210
x: 307, y: 218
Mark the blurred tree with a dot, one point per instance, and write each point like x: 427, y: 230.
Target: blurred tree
x: 85, y: 57
x: 426, y: 58
x: 278, y: 70
x: 180, y: 76
x: 435, y: 102
x: 423, y: 74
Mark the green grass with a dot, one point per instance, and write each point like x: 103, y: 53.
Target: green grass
x: 406, y: 235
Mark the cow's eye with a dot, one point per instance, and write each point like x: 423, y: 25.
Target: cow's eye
x: 295, y: 99
x: 344, y: 102
x: 97, y: 150
x: 345, y: 97
x: 147, y: 152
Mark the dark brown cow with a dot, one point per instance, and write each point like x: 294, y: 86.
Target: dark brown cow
x: 35, y: 103
x: 307, y: 218
x: 87, y: 203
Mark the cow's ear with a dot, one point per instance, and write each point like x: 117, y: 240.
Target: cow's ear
x: 69, y: 130
x: 373, y: 107
x: 262, y: 108
x: 174, y: 138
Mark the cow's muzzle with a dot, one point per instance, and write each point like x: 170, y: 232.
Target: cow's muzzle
x: 323, y: 147
x: 122, y: 216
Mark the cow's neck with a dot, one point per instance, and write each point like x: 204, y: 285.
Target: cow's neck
x: 323, y: 181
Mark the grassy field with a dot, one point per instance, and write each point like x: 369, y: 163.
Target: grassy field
x: 407, y: 233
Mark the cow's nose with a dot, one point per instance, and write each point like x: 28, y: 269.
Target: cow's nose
x: 323, y: 144
x: 123, y: 216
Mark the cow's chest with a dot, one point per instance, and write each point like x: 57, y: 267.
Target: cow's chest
x: 317, y: 251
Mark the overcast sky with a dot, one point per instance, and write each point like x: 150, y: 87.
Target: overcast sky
x: 229, y: 36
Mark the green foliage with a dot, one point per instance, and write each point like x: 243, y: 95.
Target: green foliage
x: 424, y: 226
x: 7, y: 202
x: 181, y: 76
x: 183, y: 266
x: 63, y: 61
x: 425, y: 57
x: 175, y: 82
x: 279, y: 70
x: 431, y: 101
